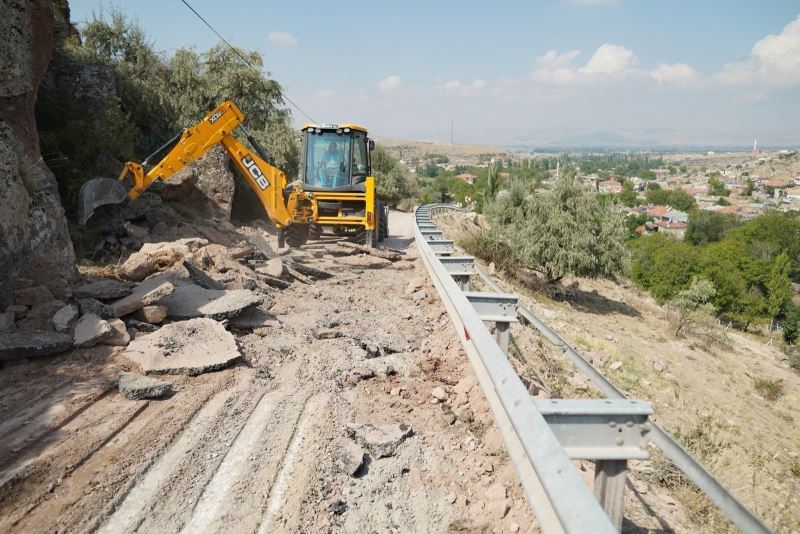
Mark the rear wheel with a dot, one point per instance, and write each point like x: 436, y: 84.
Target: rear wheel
x: 296, y: 235
x: 314, y: 231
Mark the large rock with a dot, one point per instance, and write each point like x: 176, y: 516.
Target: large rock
x: 207, y: 183
x: 7, y: 321
x: 134, y: 386
x: 104, y: 289
x: 34, y: 242
x: 188, y: 347
x: 40, y: 317
x: 148, y: 292
x: 119, y: 336
x: 32, y: 343
x: 33, y: 296
x: 18, y: 310
x: 189, y: 301
x: 172, y: 252
x: 382, y: 441
x: 152, y: 314
x: 91, y: 330
x: 138, y: 266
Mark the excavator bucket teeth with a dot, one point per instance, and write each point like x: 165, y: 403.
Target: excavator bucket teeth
x: 99, y: 192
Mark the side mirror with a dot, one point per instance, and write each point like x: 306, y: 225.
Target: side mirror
x: 371, y: 145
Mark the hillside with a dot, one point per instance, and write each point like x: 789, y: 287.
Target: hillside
x: 705, y: 393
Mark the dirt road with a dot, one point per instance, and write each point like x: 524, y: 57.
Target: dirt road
x: 263, y: 446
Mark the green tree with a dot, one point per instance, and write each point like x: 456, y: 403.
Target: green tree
x: 562, y: 232
x: 680, y: 200
x: 393, y: 181
x: 779, y: 286
x: 709, y: 226
x: 663, y: 265
x: 629, y: 197
x: 791, y: 324
x: 717, y: 188
x: 692, y: 306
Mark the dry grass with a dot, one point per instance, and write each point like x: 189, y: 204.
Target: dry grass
x: 771, y: 390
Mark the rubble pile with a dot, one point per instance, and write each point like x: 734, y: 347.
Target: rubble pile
x: 174, y: 294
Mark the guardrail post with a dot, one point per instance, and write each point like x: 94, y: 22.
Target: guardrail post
x: 502, y: 334
x: 462, y: 280
x: 609, y: 488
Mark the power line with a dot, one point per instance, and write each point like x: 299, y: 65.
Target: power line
x: 193, y: 10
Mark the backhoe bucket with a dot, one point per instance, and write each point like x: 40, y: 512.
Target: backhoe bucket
x: 99, y: 192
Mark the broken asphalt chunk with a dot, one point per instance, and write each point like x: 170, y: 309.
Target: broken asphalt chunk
x: 188, y: 347
x: 134, y: 386
x: 32, y: 343
x: 188, y: 301
x: 148, y: 292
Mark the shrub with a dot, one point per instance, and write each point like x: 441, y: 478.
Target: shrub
x: 562, y: 232
x: 771, y: 390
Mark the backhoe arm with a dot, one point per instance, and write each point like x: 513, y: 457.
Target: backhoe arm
x: 190, y: 145
x: 266, y: 181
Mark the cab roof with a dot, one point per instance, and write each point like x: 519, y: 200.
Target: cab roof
x: 333, y: 127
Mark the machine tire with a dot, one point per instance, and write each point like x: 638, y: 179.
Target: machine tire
x: 360, y: 236
x: 383, y: 221
x: 314, y: 231
x: 296, y: 235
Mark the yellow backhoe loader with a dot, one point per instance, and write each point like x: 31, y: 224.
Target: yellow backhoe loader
x: 335, y: 189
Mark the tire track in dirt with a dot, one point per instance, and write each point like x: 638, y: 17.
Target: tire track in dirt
x: 234, y: 463
x: 276, y: 499
x: 138, y: 500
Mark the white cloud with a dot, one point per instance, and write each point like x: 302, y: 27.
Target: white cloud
x: 774, y: 60
x: 679, y: 74
x: 556, y: 68
x: 456, y: 87
x: 609, y: 60
x: 282, y: 38
x: 390, y: 83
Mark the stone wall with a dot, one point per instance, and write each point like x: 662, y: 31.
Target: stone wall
x: 35, y: 247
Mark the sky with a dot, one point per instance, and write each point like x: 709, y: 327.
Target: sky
x: 541, y: 72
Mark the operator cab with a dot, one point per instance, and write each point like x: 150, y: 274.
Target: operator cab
x: 336, y: 157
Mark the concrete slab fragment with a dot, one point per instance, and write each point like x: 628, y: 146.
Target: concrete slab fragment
x: 65, y: 318
x: 104, y: 289
x: 119, y: 336
x: 188, y: 347
x: 190, y: 300
x: 254, y: 317
x: 32, y: 343
x: 134, y: 386
x: 148, y: 292
x: 90, y: 330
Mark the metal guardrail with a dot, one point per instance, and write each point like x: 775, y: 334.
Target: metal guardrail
x: 733, y: 509
x: 560, y: 499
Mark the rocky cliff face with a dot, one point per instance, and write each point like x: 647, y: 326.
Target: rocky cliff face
x: 35, y: 247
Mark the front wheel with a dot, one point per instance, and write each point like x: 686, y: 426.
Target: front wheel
x: 296, y: 235
x: 383, y: 221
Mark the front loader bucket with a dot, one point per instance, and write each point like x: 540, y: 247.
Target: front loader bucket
x: 99, y: 192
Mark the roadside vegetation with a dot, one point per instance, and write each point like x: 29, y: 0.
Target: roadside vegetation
x: 112, y: 97
x: 560, y: 232
x: 750, y: 265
